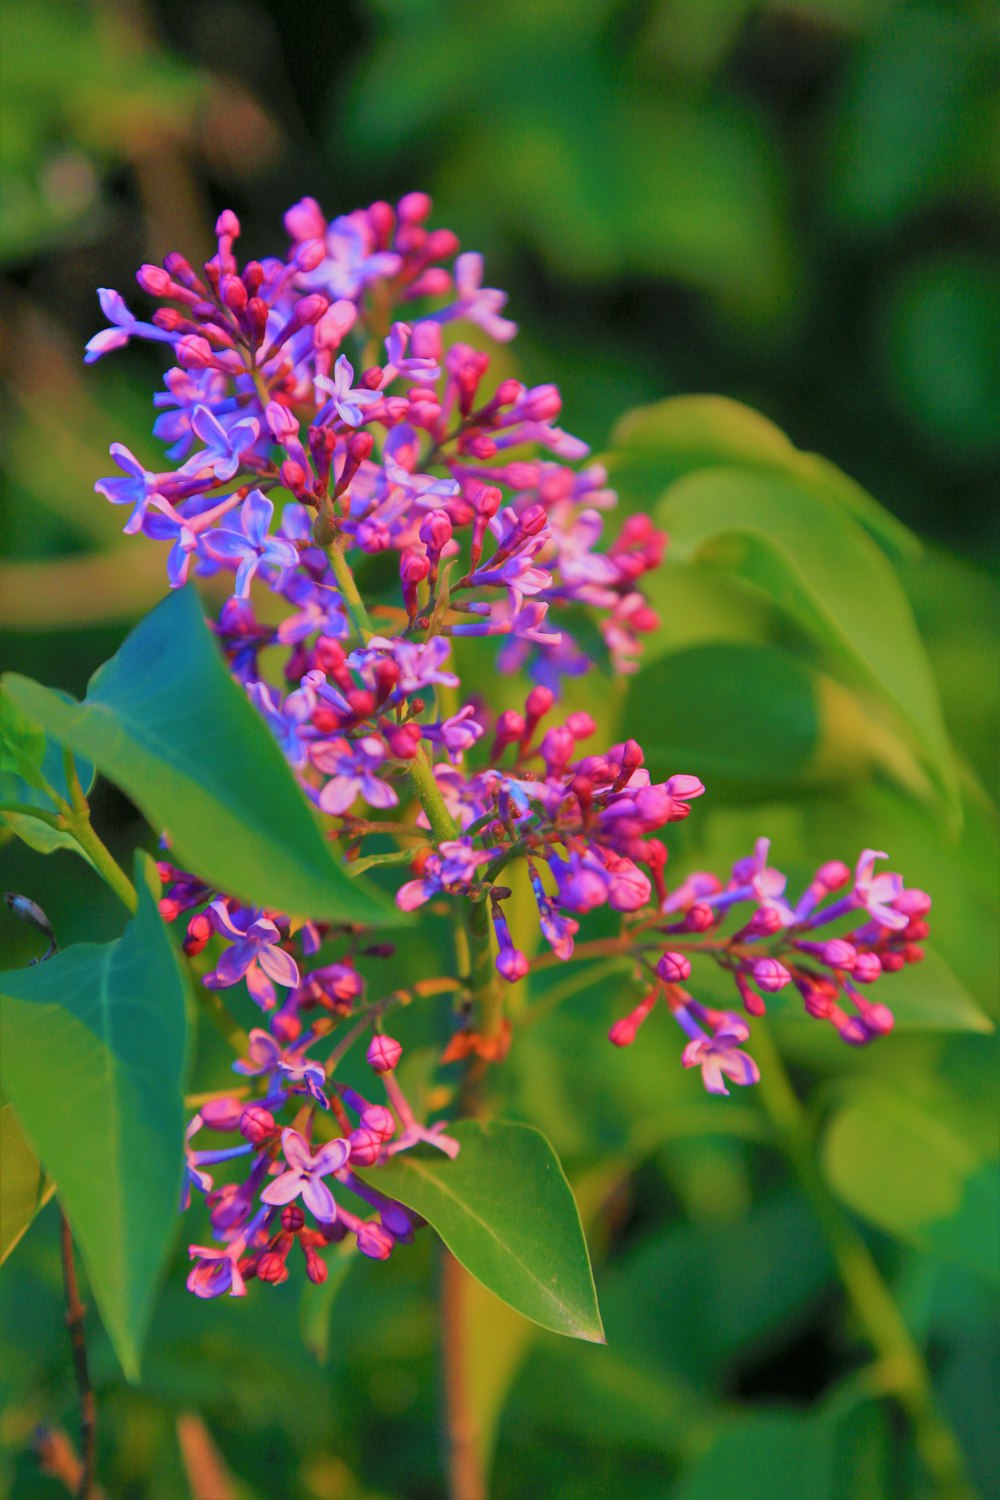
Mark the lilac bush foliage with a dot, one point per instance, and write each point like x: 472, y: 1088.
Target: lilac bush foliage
x: 326, y: 418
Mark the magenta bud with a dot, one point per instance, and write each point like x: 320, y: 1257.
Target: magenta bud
x: 379, y: 1119
x: 271, y: 1267
x: 770, y: 976
x: 375, y: 1241
x: 414, y: 208
x: 383, y: 1053
x: 623, y: 1033
x: 700, y: 917
x: 425, y: 340
x: 538, y: 702
x: 867, y: 968
x: 403, y: 740
x: 256, y: 1124
x: 292, y: 1218
x: 913, y: 903
x: 833, y: 875
x: 878, y: 1019
x: 305, y: 221
x: 674, y: 968
x: 222, y: 1114
x: 227, y: 225
x: 310, y: 254
x: 542, y: 404
x: 512, y: 965
x: 315, y: 1267
x: 154, y: 280
x: 580, y: 725
x: 366, y: 1146
x: 435, y: 532
x: 684, y: 787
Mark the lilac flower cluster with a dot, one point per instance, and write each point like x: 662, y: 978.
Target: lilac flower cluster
x: 310, y: 428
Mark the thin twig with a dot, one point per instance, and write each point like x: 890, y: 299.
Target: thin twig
x: 78, y: 1342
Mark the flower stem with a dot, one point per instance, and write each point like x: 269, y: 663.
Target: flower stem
x: 88, y: 1404
x: 77, y: 819
x: 352, y: 598
x: 901, y: 1359
x: 466, y: 1476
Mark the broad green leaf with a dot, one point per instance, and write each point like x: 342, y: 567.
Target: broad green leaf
x: 94, y: 1044
x: 801, y: 550
x: 504, y: 1209
x: 318, y: 1302
x: 837, y: 1453
x: 743, y: 713
x: 30, y: 765
x: 23, y: 1189
x: 165, y: 720
x: 657, y: 444
x: 906, y: 1170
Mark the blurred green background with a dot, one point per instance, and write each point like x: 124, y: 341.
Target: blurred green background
x: 793, y: 205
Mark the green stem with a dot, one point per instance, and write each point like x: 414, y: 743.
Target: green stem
x: 29, y: 810
x: 355, y: 604
x: 77, y: 822
x: 105, y: 863
x: 901, y: 1359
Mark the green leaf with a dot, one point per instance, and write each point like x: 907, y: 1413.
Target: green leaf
x: 505, y: 1210
x: 906, y: 1171
x: 654, y: 445
x: 94, y: 1044
x: 166, y: 721
x: 23, y: 1189
x: 795, y: 545
x: 742, y: 713
x: 31, y: 768
x: 837, y: 1453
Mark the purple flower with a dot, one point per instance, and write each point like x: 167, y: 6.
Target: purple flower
x: 350, y: 263
x: 217, y: 1271
x: 454, y: 865
x: 251, y: 547
x: 419, y: 664
x: 139, y: 488
x: 125, y: 327
x: 416, y: 367
x: 351, y: 766
x: 876, y: 893
x: 290, y: 721
x: 224, y: 447
x: 478, y: 304
x: 457, y: 734
x: 305, y: 1175
x: 254, y: 955
x: 344, y: 400
x: 719, y: 1055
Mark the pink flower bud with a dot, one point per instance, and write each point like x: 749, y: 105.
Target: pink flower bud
x: 366, y: 1146
x: 414, y: 208
x: 581, y: 726
x: 623, y: 1033
x: 256, y: 1124
x: 383, y: 1053
x: 770, y: 976
x: 379, y: 1119
x: 316, y: 1268
x: 538, y: 703
x: 292, y: 1218
x: 227, y: 225
x: 674, y: 968
x: 512, y: 965
x: 222, y: 1114
x: 867, y: 968
x: 375, y: 1241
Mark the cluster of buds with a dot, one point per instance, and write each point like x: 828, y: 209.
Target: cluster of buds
x: 324, y: 421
